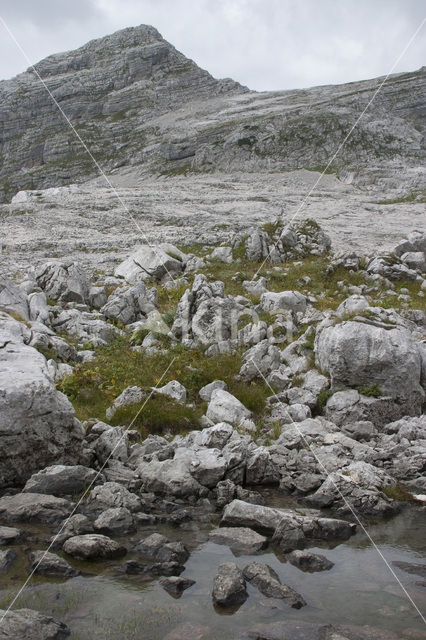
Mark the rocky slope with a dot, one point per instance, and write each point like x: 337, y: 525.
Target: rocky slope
x: 169, y: 387
x: 199, y: 383
x: 135, y: 100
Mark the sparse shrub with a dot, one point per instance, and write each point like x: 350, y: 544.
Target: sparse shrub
x: 297, y: 380
x: 372, y: 391
x: 323, y: 397
x: 139, y: 336
x: 159, y: 414
x: 253, y: 395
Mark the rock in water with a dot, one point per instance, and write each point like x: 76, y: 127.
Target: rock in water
x: 9, y: 535
x: 7, y: 558
x: 34, y: 507
x: 241, y: 540
x: 264, y: 578
x: 229, y: 588
x: 93, y: 547
x: 38, y: 425
x: 44, y: 563
x: 176, y: 586
x: 307, y: 561
x: 27, y: 624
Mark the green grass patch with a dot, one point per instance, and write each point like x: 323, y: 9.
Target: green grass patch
x: 94, y: 385
x: 181, y: 170
x: 398, y: 492
x: 418, y: 195
x: 371, y: 391
x: 323, y: 398
x: 168, y: 299
x: 159, y: 415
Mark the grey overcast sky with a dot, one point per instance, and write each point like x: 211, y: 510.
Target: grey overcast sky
x: 264, y: 44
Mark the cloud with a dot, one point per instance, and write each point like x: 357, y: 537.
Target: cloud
x: 265, y: 44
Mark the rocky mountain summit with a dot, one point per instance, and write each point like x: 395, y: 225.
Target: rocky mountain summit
x: 136, y: 101
x: 110, y: 89
x: 193, y: 371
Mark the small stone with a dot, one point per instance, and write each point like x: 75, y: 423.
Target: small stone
x: 26, y: 624
x: 9, y: 535
x: 311, y: 562
x: 44, y: 563
x: 240, y: 540
x: 264, y: 578
x: 229, y: 587
x: 175, y: 586
x: 117, y: 520
x: 7, y: 558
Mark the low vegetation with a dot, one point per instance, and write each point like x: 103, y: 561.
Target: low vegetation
x: 93, y: 385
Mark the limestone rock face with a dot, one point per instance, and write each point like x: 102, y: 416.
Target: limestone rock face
x: 357, y: 354
x: 130, y: 304
x: 292, y: 300
x: 63, y: 281
x: 132, y: 74
x: 149, y: 263
x: 38, y: 425
x: 224, y: 407
x: 13, y: 299
x: 205, y: 315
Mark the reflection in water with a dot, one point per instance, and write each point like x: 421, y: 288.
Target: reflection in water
x: 103, y: 604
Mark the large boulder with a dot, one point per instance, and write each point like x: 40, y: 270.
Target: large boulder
x: 93, y: 547
x: 112, y: 494
x: 415, y: 242
x: 115, y: 521
x: 205, y: 315
x: 241, y: 540
x: 44, y: 563
x: 38, y: 425
x: 86, y: 326
x: 151, y: 263
x: 63, y: 281
x: 130, y: 395
x: 290, y: 529
x: 357, y: 487
x: 13, y: 300
x: 357, y: 354
x: 224, y: 407
x: 390, y: 268
x: 259, y: 361
x: 170, y: 477
x: 27, y: 624
x: 61, y: 480
x: 130, y: 304
x: 285, y: 300
x: 34, y: 507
